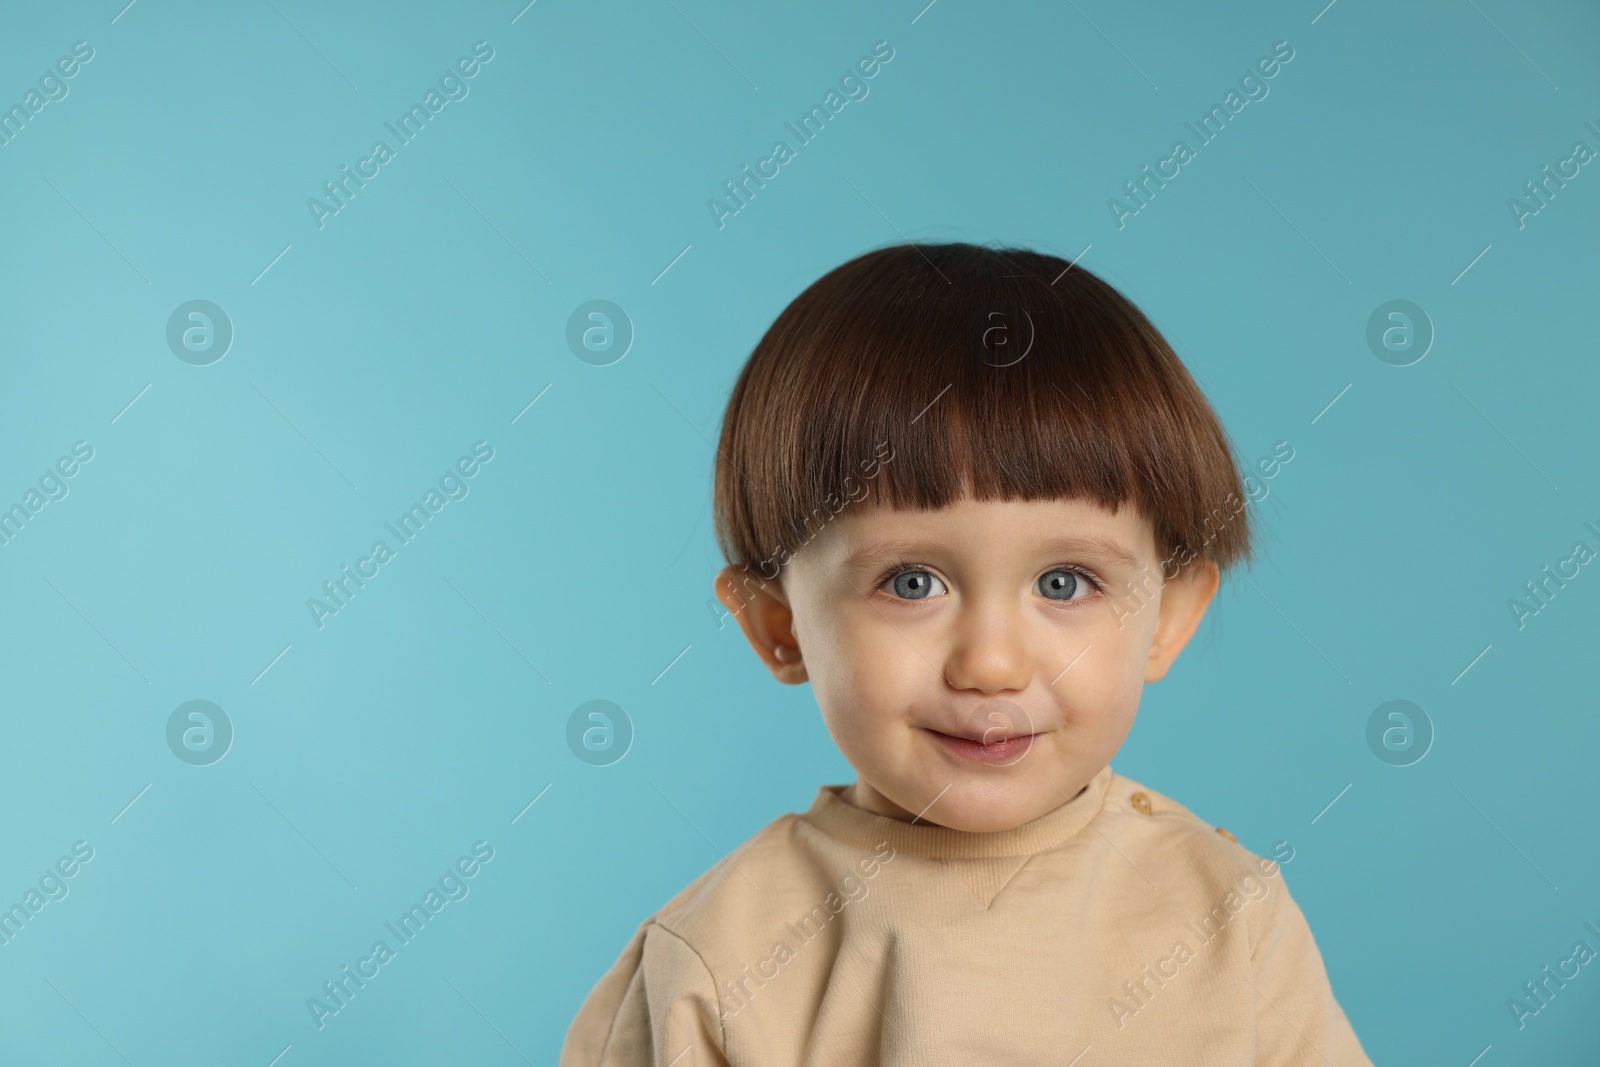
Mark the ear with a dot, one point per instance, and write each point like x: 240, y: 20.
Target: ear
x: 1183, y: 605
x: 763, y: 613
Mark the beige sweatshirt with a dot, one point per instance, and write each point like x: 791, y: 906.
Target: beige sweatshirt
x: 1116, y: 929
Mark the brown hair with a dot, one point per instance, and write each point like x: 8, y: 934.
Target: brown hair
x: 926, y: 372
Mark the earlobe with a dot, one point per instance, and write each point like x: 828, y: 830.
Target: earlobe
x: 794, y: 671
x: 765, y: 620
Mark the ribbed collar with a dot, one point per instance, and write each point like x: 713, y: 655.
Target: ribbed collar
x: 837, y: 818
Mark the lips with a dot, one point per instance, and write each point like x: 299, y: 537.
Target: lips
x: 998, y: 752
x: 997, y: 731
x: 990, y: 735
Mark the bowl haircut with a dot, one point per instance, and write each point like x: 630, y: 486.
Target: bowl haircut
x: 922, y: 373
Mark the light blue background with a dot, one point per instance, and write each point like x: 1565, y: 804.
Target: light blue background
x: 424, y: 317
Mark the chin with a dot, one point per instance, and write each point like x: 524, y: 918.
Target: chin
x: 984, y: 824
x: 983, y: 812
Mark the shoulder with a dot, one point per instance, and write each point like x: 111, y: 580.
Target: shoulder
x: 667, y: 975
x: 1127, y: 796
x: 1215, y: 886
x: 659, y: 992
x: 737, y: 896
x: 1178, y: 837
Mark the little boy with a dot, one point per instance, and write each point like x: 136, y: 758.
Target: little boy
x: 973, y: 497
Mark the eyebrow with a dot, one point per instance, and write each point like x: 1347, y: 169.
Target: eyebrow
x: 1103, y: 548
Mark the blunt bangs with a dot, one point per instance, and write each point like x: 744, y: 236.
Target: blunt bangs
x: 914, y: 375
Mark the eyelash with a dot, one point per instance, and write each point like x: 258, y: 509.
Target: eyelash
x: 903, y: 566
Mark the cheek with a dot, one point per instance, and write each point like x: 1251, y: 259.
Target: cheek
x: 1106, y: 683
x: 1103, y: 695
x: 863, y: 670
x: 865, y: 677
x: 1135, y: 661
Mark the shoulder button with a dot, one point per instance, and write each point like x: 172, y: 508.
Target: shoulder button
x: 1229, y: 836
x: 1140, y: 802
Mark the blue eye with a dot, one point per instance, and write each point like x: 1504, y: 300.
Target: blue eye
x: 1062, y: 584
x: 915, y: 584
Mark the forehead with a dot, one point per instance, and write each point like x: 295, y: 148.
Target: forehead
x: 991, y: 529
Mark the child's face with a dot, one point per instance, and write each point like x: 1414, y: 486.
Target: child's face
x: 993, y: 633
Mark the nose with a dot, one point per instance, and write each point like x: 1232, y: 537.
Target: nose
x: 988, y: 652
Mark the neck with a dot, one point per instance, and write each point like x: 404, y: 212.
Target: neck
x: 864, y: 796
